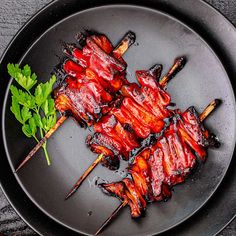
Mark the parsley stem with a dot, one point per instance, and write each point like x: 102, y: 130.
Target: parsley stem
x: 36, y: 138
x: 41, y: 132
x: 46, y: 153
x: 44, y: 146
x: 44, y: 150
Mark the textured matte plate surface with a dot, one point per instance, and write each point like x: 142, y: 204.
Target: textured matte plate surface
x: 160, y: 39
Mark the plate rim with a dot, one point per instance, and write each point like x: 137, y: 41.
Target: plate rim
x: 90, y: 8
x: 104, y: 7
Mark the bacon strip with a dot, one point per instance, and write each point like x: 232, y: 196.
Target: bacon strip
x: 93, y: 76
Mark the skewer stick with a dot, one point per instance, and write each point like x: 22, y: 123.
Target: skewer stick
x: 175, y: 68
x: 112, y: 216
x: 122, y: 47
x: 59, y: 122
x: 83, y: 177
x: 178, y: 65
x: 206, y: 112
x: 125, y: 43
x: 209, y: 109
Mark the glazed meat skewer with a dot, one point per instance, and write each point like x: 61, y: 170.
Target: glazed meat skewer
x: 177, y: 66
x: 117, y: 188
x: 73, y: 68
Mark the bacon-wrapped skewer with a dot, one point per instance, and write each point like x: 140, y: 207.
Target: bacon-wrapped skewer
x: 91, y: 77
x: 164, y: 164
x: 140, y: 112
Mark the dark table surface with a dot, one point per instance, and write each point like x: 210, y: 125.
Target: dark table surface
x: 13, y: 14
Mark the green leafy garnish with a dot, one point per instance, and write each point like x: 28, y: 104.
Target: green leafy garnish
x: 24, y: 77
x: 35, y: 110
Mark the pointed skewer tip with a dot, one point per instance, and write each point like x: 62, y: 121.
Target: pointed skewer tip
x: 218, y: 101
x: 59, y: 122
x: 83, y: 177
x: 112, y: 216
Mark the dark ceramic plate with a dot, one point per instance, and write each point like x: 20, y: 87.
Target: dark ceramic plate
x: 162, y: 35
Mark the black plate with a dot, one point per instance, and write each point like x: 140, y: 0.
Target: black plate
x: 160, y: 38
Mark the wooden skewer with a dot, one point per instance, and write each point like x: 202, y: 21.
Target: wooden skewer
x: 127, y: 40
x: 125, y: 43
x: 175, y: 68
x: 59, y: 122
x: 179, y: 62
x: 113, y: 215
x: 207, y: 111
x: 82, y: 178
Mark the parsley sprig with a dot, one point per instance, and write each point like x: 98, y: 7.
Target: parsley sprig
x: 35, y: 110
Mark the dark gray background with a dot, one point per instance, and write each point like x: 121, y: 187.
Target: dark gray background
x: 13, y: 14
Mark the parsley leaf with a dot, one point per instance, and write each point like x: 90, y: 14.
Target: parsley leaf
x: 48, y: 107
x: 25, y: 114
x: 33, y: 126
x: 23, y: 77
x: 27, y: 130
x: 42, y: 91
x: 38, y: 121
x: 15, y: 109
x: 23, y: 98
